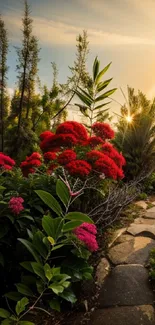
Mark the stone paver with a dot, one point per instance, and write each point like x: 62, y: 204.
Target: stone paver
x: 134, y: 251
x: 142, y: 204
x: 151, y: 210
x: 144, y: 221
x: 149, y: 215
x: 116, y: 235
x: 137, y: 315
x: 103, y: 269
x: 127, y: 285
x: 142, y: 229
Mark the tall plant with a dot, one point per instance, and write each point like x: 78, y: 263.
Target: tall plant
x: 93, y: 99
x: 3, y: 71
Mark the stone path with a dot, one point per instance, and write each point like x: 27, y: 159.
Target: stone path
x: 126, y: 296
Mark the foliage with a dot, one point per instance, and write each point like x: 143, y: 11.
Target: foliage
x: 54, y: 258
x: 136, y: 139
x: 93, y: 99
x: 152, y: 264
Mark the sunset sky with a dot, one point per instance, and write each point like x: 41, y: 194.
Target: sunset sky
x: 121, y: 31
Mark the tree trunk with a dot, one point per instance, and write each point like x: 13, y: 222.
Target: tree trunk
x: 2, y: 113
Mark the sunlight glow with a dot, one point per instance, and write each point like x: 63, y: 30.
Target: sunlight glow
x: 129, y: 118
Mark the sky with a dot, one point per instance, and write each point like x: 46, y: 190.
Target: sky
x: 121, y: 31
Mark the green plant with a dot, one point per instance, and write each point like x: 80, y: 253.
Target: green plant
x: 152, y: 264
x: 93, y: 99
x: 59, y: 258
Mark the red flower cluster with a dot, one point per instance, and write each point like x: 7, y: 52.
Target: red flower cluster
x: 75, y: 128
x: 66, y: 156
x: 6, y: 162
x: 103, y: 130
x: 79, y: 168
x: 31, y: 163
x: 95, y: 141
x: 45, y: 134
x: 16, y: 205
x: 106, y: 166
x: 111, y: 152
x: 87, y: 234
x: 48, y: 156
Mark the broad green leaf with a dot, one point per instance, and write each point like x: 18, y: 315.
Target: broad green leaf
x: 48, y: 272
x: 30, y: 248
x: 87, y: 276
x: 57, y: 247
x: 39, y: 245
x: 103, y: 85
x: 66, y: 284
x: 30, y: 234
x: 6, y: 322
x: 25, y: 322
x: 53, y: 227
x: 2, y: 188
x: 101, y: 73
x: 50, y: 201
x: 24, y: 289
x: 1, y: 259
x: 71, y: 225
x: 27, y: 266
x: 61, y: 278
x: 62, y: 192
x: 39, y: 270
x: 84, y: 98
x: 105, y: 95
x: 40, y: 286
x: 15, y: 296
x: 21, y: 304
x: 56, y: 270
x: 55, y: 304
x: 56, y: 288
x: 78, y: 216
x: 96, y: 66
x: 4, y: 313
x: 69, y: 296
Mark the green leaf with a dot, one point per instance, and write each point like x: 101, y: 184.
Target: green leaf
x: 54, y: 304
x: 2, y: 188
x: 71, y: 225
x: 27, y: 266
x: 1, y: 259
x: 103, y: 85
x: 15, y: 296
x: 78, y: 216
x: 56, y: 288
x: 39, y: 245
x: 57, y: 247
x: 66, y: 284
x: 84, y: 110
x: 100, y: 106
x: 84, y: 98
x: 53, y: 227
x: 48, y: 272
x: 6, y: 322
x: 62, y: 192
x: 101, y: 73
x: 25, y: 290
x: 96, y: 66
x: 50, y: 201
x: 39, y: 270
x: 105, y: 95
x: 87, y: 276
x: 24, y: 322
x: 30, y: 248
x: 69, y: 296
x: 21, y: 304
x: 4, y: 313
x: 40, y: 286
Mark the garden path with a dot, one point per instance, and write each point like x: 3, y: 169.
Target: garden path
x: 126, y: 296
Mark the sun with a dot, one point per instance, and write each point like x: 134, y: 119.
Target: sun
x: 129, y: 118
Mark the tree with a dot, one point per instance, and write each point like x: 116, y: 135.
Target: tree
x: 27, y: 63
x: 3, y: 72
x: 135, y: 135
x: 91, y: 98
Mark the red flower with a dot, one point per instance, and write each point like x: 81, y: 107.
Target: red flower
x: 87, y: 234
x: 106, y: 166
x: 103, y: 130
x: 28, y: 166
x: 78, y: 168
x: 111, y: 152
x: 93, y: 155
x: 50, y: 156
x: 51, y: 168
x: 120, y: 173
x: 66, y: 156
x: 95, y: 141
x: 6, y: 162
x: 15, y: 205
x: 58, y: 140
x: 45, y: 134
x: 75, y: 128
x: 35, y: 155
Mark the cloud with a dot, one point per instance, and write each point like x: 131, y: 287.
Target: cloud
x: 50, y: 32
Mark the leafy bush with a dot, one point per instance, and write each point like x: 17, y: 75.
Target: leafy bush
x: 55, y: 256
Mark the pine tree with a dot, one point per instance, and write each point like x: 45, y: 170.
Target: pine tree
x: 3, y: 72
x: 24, y: 60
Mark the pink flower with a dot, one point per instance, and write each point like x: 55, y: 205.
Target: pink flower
x: 87, y: 234
x: 15, y: 205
